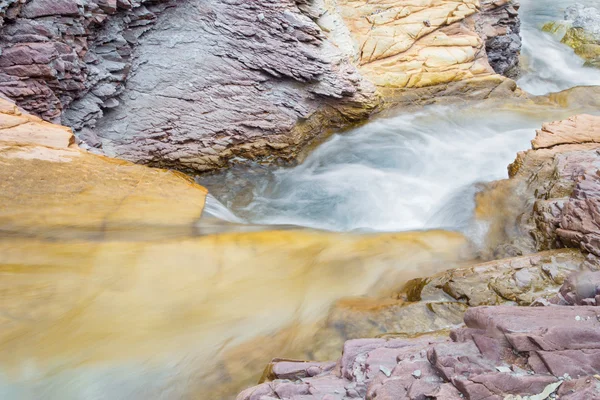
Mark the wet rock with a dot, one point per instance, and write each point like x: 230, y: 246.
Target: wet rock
x: 558, y: 190
x: 238, y: 80
x: 504, y: 352
x: 581, y: 31
x: 50, y: 186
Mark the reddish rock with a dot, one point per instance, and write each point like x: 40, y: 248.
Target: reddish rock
x: 503, y: 352
x: 45, y: 8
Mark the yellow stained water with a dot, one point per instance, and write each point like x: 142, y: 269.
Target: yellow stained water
x: 178, y: 318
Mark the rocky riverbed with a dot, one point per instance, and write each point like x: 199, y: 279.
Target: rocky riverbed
x: 360, y: 236
x: 549, y: 349
x: 209, y: 81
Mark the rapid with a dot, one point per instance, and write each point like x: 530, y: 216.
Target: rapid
x: 198, y: 316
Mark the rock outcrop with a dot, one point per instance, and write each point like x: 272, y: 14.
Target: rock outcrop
x: 503, y: 353
x: 500, y: 27
x: 193, y: 84
x: 56, y: 52
x: 50, y: 187
x: 557, y: 182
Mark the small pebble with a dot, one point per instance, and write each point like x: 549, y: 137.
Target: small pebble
x: 578, y: 318
x: 261, y: 17
x: 417, y: 373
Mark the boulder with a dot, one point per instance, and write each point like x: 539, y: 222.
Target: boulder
x: 554, y: 191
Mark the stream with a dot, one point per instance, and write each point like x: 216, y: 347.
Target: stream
x: 417, y: 170
x: 198, y: 317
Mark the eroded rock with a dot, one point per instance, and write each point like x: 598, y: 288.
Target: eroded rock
x: 192, y: 85
x: 555, y: 189
x: 503, y: 352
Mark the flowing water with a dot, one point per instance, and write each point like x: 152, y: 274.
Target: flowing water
x: 549, y: 65
x: 198, y: 316
x: 417, y: 170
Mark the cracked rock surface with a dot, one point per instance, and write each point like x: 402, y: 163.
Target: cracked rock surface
x: 503, y: 352
x: 193, y: 84
x: 556, y: 191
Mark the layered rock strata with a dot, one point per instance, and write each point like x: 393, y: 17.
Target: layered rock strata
x: 56, y: 52
x: 502, y: 353
x: 554, y: 189
x: 196, y: 83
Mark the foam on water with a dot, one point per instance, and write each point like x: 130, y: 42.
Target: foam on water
x: 550, y: 66
x: 409, y: 172
x: 412, y: 171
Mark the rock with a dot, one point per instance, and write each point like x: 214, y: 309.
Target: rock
x: 238, y: 80
x: 519, y: 280
x: 581, y: 289
x: 500, y: 27
x: 576, y: 130
x: 558, y: 190
x: 580, y: 31
x: 503, y: 353
x: 48, y: 185
x: 56, y: 52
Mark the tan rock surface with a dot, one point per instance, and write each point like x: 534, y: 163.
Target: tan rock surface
x: 49, y: 186
x: 575, y: 130
x: 416, y: 44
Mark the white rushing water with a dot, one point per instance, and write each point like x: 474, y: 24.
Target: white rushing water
x: 412, y: 171
x: 548, y: 65
x: 408, y: 172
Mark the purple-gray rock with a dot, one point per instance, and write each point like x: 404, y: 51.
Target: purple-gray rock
x: 504, y: 351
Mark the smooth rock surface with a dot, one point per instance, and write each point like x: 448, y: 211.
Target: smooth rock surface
x: 48, y: 186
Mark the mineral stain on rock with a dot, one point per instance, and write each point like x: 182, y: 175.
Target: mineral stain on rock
x: 210, y: 81
x: 115, y: 285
